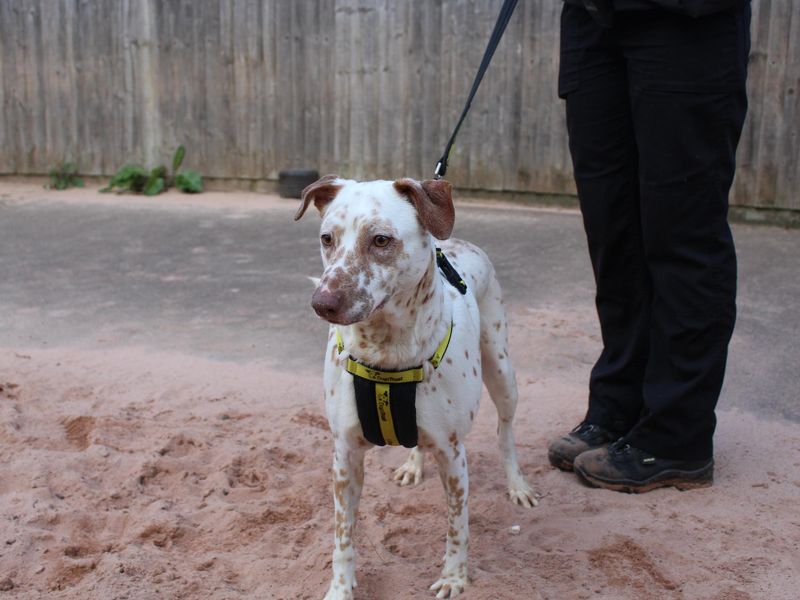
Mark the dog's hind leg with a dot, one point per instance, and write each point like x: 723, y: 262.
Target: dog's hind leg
x: 500, y: 380
x: 348, y: 479
x: 410, y: 472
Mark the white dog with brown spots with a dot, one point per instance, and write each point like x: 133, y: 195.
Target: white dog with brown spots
x: 390, y: 308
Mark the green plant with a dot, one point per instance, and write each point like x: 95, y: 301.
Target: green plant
x: 189, y: 182
x: 64, y: 175
x: 129, y: 178
x: 133, y: 178
x: 177, y: 158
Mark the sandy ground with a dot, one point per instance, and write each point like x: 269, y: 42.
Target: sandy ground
x: 130, y: 473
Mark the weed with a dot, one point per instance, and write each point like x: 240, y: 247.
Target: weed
x: 133, y: 178
x: 63, y: 176
x: 189, y: 182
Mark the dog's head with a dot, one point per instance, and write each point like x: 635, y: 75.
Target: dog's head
x: 376, y: 240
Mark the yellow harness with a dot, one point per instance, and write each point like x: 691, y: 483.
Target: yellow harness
x: 388, y: 397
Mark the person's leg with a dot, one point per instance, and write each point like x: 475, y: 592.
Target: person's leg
x: 593, y: 81
x: 605, y: 161
x: 688, y: 102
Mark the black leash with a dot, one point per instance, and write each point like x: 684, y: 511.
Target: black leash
x: 499, y: 28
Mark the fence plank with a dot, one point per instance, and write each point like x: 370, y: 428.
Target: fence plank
x: 365, y: 88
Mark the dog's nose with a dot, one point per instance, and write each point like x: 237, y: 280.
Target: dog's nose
x: 326, y: 303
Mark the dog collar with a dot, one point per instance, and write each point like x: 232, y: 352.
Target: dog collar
x: 415, y: 374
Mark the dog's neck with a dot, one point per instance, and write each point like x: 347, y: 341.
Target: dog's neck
x: 405, y: 332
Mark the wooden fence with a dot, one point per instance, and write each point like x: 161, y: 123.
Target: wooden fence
x: 365, y: 88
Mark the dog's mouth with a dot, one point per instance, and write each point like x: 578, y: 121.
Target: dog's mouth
x: 337, y: 320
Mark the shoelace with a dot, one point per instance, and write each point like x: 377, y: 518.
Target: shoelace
x: 619, y: 447
x: 583, y: 428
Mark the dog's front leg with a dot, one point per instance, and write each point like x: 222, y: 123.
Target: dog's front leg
x: 348, y: 478
x: 453, y: 472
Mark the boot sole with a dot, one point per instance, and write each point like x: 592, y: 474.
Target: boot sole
x: 682, y: 480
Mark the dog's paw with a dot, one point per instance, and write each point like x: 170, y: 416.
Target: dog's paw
x: 410, y: 472
x: 408, y: 475
x: 522, y: 494
x: 449, y: 587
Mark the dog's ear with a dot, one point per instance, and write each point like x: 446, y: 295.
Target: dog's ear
x: 322, y: 191
x: 434, y: 203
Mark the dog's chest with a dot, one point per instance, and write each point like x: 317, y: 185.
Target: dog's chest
x: 445, y: 400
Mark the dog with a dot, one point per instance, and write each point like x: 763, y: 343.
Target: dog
x: 405, y: 301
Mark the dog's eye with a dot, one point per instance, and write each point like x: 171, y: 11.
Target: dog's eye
x: 381, y: 241
x: 326, y: 239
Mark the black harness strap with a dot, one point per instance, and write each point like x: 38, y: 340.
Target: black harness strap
x: 502, y: 20
x: 374, y: 400
x: 449, y: 272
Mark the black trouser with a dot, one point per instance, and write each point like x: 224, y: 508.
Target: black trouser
x: 655, y: 106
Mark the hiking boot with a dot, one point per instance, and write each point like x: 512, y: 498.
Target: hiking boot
x: 623, y: 468
x: 585, y: 436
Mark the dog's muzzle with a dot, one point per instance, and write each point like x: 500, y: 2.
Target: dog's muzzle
x: 327, y: 304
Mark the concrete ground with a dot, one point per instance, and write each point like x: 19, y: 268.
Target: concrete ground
x: 225, y: 276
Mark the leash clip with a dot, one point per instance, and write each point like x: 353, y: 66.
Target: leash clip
x: 437, y: 172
